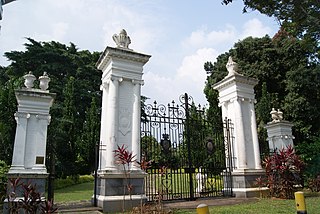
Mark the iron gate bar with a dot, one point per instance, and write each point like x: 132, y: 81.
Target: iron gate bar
x: 190, y: 172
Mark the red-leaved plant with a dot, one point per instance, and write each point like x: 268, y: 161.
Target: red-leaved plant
x: 31, y: 200
x: 125, y: 158
x: 284, y: 172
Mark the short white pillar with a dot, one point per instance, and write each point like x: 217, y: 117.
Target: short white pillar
x: 279, y: 132
x: 33, y: 118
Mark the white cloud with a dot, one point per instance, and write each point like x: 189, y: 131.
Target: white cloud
x: 190, y: 77
x: 200, y: 46
x: 205, y: 38
x: 255, y: 28
x: 58, y: 31
x: 192, y: 66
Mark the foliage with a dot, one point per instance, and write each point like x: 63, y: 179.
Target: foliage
x: 300, y: 19
x: 31, y: 200
x: 4, y: 168
x: 284, y: 171
x: 74, y: 79
x: 89, y: 138
x: 61, y: 183
x: 151, y: 149
x: 287, y: 80
x: 309, y: 152
x: 314, y: 184
x: 125, y: 158
x: 8, y: 107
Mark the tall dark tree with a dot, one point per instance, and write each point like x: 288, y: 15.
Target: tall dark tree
x: 284, y: 72
x: 89, y: 138
x: 300, y: 17
x: 8, y: 106
x: 66, y: 149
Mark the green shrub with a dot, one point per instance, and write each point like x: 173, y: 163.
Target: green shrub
x: 309, y: 152
x: 4, y: 168
x: 72, y: 180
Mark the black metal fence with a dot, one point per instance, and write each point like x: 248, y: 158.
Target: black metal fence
x: 191, y: 157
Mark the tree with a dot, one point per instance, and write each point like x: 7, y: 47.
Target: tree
x: 287, y: 79
x: 301, y: 18
x: 89, y: 138
x: 67, y: 150
x: 8, y: 106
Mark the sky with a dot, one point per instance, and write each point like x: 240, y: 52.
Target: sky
x: 181, y: 35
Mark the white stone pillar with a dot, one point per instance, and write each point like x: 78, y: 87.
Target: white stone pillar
x: 136, y: 120
x: 255, y: 141
x: 122, y: 70
x: 240, y: 135
x: 33, y: 118
x: 102, y: 147
x: 113, y: 121
x: 237, y: 93
x: 20, y: 139
x: 279, y: 132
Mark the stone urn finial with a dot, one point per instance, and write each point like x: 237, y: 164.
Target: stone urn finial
x: 280, y: 115
x: 44, y: 81
x: 232, y: 67
x: 29, y: 79
x: 276, y: 116
x: 122, y: 40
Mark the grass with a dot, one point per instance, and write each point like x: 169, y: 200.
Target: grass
x: 263, y: 206
x: 77, y: 192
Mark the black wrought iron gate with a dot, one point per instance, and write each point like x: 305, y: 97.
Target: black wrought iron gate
x: 190, y: 156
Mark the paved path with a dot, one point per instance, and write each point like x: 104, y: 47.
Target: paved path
x: 85, y: 206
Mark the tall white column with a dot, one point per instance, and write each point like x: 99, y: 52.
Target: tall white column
x: 19, y: 144
x: 103, y: 142
x: 255, y: 141
x: 136, y: 120
x: 240, y: 140
x: 113, y: 121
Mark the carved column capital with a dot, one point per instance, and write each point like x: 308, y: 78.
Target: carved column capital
x: 19, y: 115
x: 44, y: 117
x: 115, y: 78
x: 104, y: 85
x: 135, y: 82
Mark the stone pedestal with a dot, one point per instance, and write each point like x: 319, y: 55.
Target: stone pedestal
x: 237, y: 98
x: 279, y: 135
x: 33, y: 118
x: 120, y: 124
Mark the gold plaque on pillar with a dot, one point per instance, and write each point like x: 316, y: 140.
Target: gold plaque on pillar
x: 39, y: 160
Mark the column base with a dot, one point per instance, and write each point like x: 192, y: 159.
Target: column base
x: 251, y: 192
x: 244, y: 182
x: 120, y: 203
x: 113, y: 194
x: 39, y: 180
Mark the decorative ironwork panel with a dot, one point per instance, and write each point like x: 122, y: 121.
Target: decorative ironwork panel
x: 190, y: 156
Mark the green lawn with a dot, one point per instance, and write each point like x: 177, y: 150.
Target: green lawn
x: 264, y: 206
x: 77, y: 192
